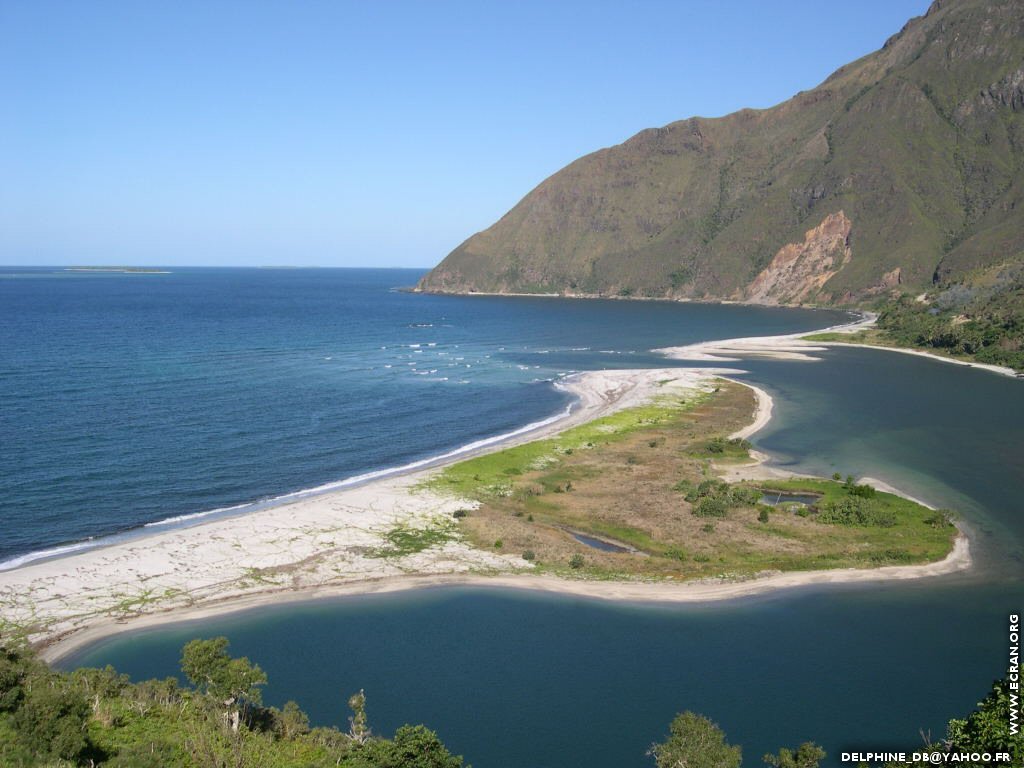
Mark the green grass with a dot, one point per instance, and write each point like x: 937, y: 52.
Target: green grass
x: 916, y: 534
x: 490, y: 476
x: 404, y: 540
x: 588, y: 479
x: 860, y: 337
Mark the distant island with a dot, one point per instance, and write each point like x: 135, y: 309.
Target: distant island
x: 127, y: 270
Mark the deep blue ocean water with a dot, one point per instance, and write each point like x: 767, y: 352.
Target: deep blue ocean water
x: 131, y: 399
x: 509, y: 679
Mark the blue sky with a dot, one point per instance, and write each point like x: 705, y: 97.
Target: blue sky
x: 292, y: 132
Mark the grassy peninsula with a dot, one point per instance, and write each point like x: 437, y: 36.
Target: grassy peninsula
x: 643, y: 485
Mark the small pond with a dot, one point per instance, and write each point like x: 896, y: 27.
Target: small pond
x: 601, y: 544
x: 774, y: 498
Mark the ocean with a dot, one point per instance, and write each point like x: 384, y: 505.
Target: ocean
x: 129, y: 401
x: 147, y: 399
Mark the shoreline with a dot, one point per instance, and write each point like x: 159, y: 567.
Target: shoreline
x: 855, y: 325
x: 302, y: 540
x: 643, y: 592
x: 796, y: 347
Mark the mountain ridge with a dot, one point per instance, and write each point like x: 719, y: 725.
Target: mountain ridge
x: 902, y: 172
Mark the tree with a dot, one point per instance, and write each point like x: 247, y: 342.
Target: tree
x: 807, y: 755
x: 293, y: 720
x: 358, y: 730
x: 414, y: 746
x: 53, y: 720
x: 695, y: 742
x: 232, y: 682
x: 987, y: 729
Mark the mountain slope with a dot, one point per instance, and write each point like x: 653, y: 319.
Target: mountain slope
x: 903, y: 169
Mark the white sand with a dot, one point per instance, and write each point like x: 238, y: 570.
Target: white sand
x: 792, y: 346
x: 323, y: 546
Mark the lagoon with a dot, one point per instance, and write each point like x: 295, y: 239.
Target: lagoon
x: 519, y: 679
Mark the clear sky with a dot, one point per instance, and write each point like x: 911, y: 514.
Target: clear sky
x: 333, y: 133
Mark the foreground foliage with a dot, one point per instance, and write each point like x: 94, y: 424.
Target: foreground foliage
x: 97, y: 717
x: 694, y: 741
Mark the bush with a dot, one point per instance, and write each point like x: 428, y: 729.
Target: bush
x: 529, y: 555
x: 52, y: 721
x: 576, y: 561
x: 939, y: 519
x: 683, y: 486
x: 743, y: 495
x: 762, y: 516
x: 854, y: 510
x: 863, y: 491
x: 710, y: 506
x: 498, y: 544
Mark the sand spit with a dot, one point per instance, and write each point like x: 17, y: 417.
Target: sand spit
x: 331, y: 544
x: 335, y: 538
x: 793, y: 347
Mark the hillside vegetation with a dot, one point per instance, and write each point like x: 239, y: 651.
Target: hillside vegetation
x: 900, y: 174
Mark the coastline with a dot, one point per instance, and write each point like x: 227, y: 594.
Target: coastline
x: 798, y: 347
x: 959, y: 559
x: 321, y: 545
x: 794, y: 346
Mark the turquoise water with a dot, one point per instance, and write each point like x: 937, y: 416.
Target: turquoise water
x: 515, y: 679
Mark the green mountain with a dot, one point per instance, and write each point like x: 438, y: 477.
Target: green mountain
x: 903, y: 172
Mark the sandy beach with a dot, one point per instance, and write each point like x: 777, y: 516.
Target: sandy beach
x: 328, y: 545
x: 793, y: 346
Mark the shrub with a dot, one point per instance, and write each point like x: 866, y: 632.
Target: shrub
x: 762, y: 516
x: 498, y: 544
x: 576, y: 561
x: 529, y: 555
x: 708, y: 527
x: 710, y: 506
x: 939, y: 519
x: 863, y: 491
x: 741, y: 494
x: 459, y: 513
x: 855, y: 510
x: 683, y: 486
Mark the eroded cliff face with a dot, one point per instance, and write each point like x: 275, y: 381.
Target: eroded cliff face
x: 800, y: 270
